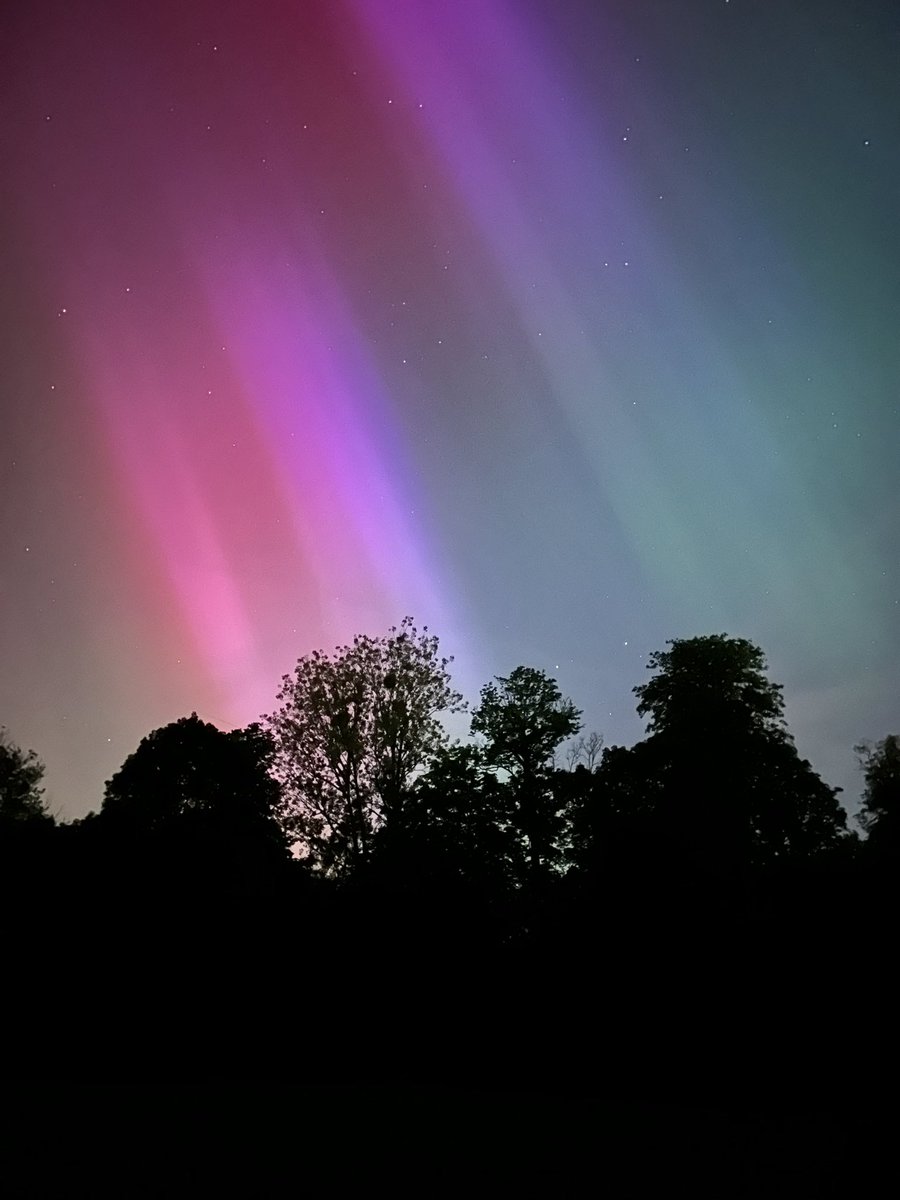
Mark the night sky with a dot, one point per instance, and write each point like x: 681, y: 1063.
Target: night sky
x: 566, y: 327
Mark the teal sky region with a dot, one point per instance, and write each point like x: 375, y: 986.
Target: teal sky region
x: 565, y: 327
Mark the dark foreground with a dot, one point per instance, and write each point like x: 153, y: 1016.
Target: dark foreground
x: 163, y: 1033
x: 265, y: 1140
x: 179, y: 1051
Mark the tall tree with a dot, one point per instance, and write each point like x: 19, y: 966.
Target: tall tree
x: 720, y: 766
x: 352, y: 730
x: 194, y: 787
x: 523, y: 718
x: 21, y: 773
x: 715, y: 683
x: 880, y: 812
x: 456, y: 825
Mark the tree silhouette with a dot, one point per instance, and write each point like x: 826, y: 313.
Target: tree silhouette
x: 585, y: 752
x: 351, y: 732
x: 523, y: 718
x: 720, y: 770
x: 458, y: 824
x: 498, y: 919
x: 21, y: 793
x: 192, y: 788
x: 713, y: 683
x: 880, y: 812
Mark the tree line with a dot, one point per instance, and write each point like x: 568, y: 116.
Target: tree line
x: 342, y: 887
x: 355, y: 765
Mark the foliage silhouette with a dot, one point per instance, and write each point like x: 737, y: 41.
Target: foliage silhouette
x: 201, y: 796
x: 457, y: 825
x: 524, y: 718
x: 720, y: 773
x: 352, y: 730
x: 713, y: 684
x: 880, y: 812
x: 21, y: 793
x: 677, y: 918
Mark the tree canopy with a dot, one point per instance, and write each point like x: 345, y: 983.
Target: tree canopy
x: 191, y: 778
x: 21, y: 773
x: 457, y: 825
x: 481, y: 889
x: 352, y: 730
x: 880, y: 812
x: 716, y: 683
x: 720, y: 768
x: 524, y: 718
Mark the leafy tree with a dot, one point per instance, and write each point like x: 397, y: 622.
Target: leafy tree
x: 352, y: 731
x: 523, y: 718
x: 196, y: 787
x: 457, y: 825
x: 713, y: 683
x: 880, y: 813
x: 720, y: 769
x: 613, y: 793
x: 21, y: 793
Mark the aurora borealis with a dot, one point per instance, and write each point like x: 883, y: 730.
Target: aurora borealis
x: 566, y: 328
